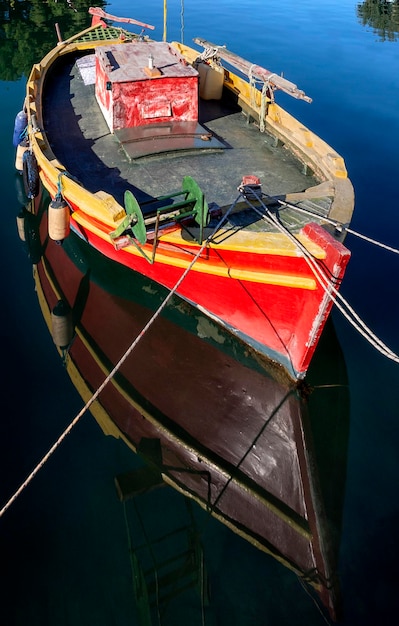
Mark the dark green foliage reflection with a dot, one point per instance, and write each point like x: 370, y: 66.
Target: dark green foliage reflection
x: 382, y: 16
x: 27, y: 31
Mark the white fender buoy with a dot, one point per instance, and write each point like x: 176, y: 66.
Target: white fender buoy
x: 58, y: 219
x: 62, y: 324
x: 22, y: 147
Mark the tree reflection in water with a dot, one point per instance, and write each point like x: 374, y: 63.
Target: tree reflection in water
x: 27, y: 29
x: 382, y: 16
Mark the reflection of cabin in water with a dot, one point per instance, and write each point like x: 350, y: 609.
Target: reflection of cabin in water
x: 166, y: 555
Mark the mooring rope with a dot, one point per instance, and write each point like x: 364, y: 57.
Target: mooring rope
x: 332, y: 292
x: 182, y: 21
x: 209, y: 54
x: 339, y: 226
x: 116, y: 367
x: 315, y: 602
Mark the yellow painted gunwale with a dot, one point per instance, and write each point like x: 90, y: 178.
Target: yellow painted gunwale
x: 102, y: 208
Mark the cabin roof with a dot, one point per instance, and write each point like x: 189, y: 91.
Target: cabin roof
x: 126, y: 62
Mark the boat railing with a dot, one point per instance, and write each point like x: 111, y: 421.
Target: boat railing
x: 315, y: 154
x: 252, y: 70
x: 101, y: 203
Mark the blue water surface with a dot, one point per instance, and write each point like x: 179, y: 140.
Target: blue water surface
x: 65, y: 556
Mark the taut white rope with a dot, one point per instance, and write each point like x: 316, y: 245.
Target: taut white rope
x: 341, y: 226
x: 347, y: 311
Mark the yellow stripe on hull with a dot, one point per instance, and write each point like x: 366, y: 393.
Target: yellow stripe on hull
x: 206, y: 267
x: 276, y: 244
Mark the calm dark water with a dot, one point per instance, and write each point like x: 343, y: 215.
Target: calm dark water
x: 64, y: 544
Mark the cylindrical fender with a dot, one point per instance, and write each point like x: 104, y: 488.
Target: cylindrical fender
x: 30, y: 174
x: 22, y: 147
x: 58, y: 219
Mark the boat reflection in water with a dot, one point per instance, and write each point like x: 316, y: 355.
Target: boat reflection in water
x: 209, y: 417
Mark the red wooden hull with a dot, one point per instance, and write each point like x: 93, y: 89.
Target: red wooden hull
x: 285, y: 323
x: 220, y: 428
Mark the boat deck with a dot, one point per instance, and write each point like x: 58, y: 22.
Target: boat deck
x: 99, y: 160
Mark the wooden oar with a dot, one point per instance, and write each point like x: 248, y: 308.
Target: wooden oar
x: 255, y: 70
x: 129, y: 20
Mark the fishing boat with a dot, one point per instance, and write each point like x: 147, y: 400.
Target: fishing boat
x: 208, y: 416
x: 178, y: 164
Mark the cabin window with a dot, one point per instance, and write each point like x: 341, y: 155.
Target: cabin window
x: 150, y: 110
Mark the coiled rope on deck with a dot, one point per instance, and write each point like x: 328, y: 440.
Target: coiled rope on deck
x: 116, y: 367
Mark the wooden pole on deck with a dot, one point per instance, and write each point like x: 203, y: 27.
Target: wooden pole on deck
x: 250, y: 69
x: 58, y: 31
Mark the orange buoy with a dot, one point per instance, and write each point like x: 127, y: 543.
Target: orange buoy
x: 62, y: 324
x: 58, y: 219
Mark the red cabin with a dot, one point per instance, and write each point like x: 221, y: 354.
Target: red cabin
x: 142, y: 83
